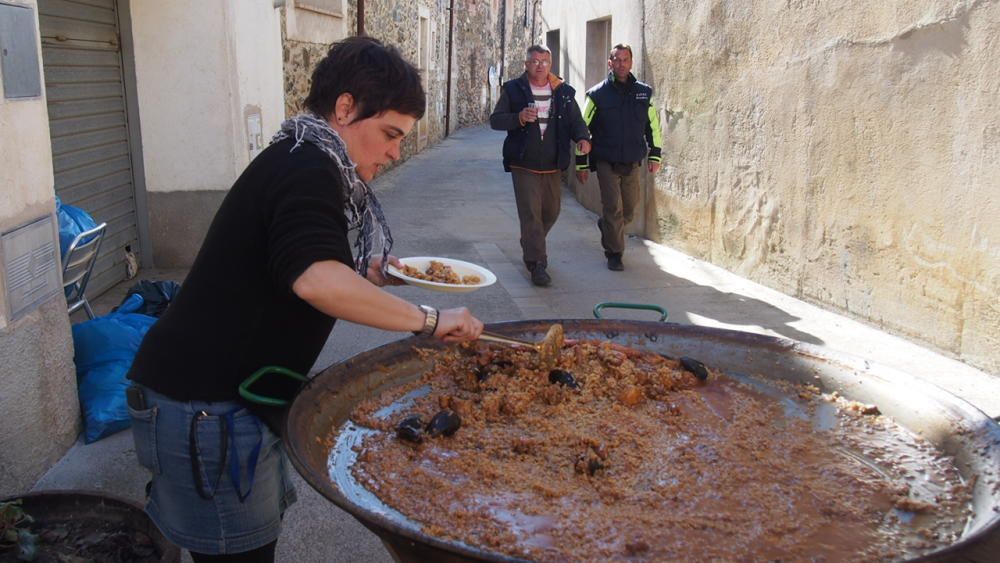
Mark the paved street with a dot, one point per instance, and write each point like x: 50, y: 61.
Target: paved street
x: 455, y: 200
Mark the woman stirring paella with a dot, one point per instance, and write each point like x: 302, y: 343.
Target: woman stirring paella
x: 275, y: 271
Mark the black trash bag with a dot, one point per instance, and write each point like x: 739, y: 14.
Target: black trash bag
x: 156, y: 295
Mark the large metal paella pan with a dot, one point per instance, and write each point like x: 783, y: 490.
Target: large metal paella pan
x: 951, y: 425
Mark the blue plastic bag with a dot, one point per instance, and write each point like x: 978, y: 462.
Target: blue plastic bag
x: 72, y: 222
x: 103, y: 352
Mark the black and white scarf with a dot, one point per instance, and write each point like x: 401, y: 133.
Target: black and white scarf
x: 363, y: 209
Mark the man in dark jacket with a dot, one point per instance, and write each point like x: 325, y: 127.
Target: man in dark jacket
x: 541, y: 116
x: 626, y: 128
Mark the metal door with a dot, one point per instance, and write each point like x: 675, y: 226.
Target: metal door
x: 85, y: 91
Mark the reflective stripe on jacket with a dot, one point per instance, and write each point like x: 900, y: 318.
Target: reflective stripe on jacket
x: 623, y: 122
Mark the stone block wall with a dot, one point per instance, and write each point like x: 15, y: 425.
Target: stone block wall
x: 480, y: 38
x: 397, y: 24
x: 299, y: 59
x: 523, y: 30
x: 845, y: 153
x: 476, y: 54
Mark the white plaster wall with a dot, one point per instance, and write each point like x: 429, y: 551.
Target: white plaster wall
x: 26, y: 177
x: 198, y: 64
x: 39, y: 412
x: 25, y: 156
x: 570, y: 18
x: 847, y: 153
x: 257, y: 70
x: 184, y: 91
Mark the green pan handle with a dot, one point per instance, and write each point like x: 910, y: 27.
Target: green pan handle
x: 643, y: 306
x: 260, y: 399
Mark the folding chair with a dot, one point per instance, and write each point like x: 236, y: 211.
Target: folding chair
x: 78, y: 263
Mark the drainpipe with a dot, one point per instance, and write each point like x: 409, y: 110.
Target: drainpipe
x: 648, y: 185
x: 534, y: 6
x: 503, y: 39
x: 361, y: 17
x: 447, y: 96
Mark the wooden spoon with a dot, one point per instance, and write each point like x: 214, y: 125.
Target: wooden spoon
x: 548, y: 349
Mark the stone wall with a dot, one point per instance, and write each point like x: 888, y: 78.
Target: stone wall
x: 397, y: 24
x: 845, y: 153
x: 523, y: 30
x: 476, y: 51
x: 490, y: 39
x: 299, y: 59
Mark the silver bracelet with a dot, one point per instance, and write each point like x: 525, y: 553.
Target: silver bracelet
x: 430, y: 320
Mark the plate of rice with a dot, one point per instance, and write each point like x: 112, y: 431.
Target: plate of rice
x: 442, y: 274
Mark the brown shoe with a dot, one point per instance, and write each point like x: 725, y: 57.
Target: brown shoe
x: 539, y: 276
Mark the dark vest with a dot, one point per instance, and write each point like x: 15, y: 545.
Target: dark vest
x: 618, y: 130
x: 519, y: 94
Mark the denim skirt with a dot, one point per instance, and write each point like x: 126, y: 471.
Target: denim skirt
x: 190, y: 448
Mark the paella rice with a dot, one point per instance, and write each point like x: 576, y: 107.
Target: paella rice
x: 623, y: 454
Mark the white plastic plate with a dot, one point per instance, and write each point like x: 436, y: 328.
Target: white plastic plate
x: 460, y: 267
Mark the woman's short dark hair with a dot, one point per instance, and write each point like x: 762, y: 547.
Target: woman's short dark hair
x: 378, y: 77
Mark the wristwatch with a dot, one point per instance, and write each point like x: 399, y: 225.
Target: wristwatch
x: 430, y: 320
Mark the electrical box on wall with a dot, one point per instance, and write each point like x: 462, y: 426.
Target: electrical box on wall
x: 255, y: 131
x: 19, y: 52
x: 30, y: 266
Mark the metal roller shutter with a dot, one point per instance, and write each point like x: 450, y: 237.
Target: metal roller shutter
x: 85, y: 92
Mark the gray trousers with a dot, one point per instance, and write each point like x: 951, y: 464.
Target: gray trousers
x: 619, y: 196
x: 538, y: 198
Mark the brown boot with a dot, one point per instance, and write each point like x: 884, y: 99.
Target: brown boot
x: 615, y: 262
x: 539, y: 276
